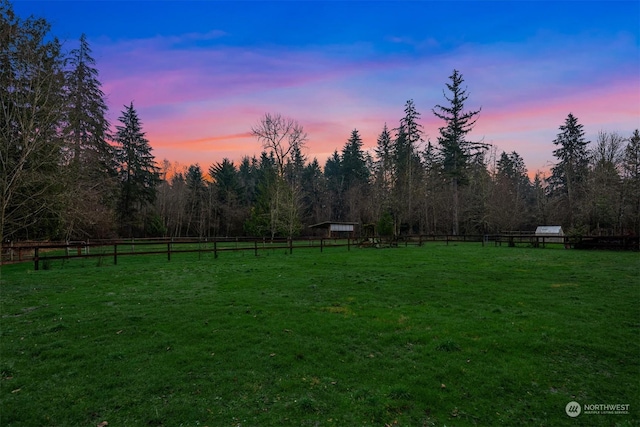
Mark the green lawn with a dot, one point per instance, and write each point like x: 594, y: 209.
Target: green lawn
x: 421, y: 336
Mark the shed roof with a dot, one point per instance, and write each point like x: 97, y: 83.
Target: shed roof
x: 549, y: 230
x: 327, y: 224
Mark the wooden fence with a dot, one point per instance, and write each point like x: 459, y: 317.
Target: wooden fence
x: 39, y: 252
x: 114, y: 249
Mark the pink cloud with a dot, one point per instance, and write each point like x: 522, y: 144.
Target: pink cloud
x: 199, y: 105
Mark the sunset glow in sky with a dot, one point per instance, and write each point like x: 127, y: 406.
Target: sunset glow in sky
x: 202, y: 73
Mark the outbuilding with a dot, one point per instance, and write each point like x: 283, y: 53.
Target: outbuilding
x: 551, y: 233
x: 337, y: 229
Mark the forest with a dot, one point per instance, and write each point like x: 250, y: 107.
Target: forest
x: 66, y: 173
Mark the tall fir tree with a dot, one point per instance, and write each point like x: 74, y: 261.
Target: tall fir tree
x: 87, y: 126
x: 568, y: 176
x: 383, y: 163
x: 354, y: 169
x: 412, y: 128
x: 294, y: 167
x: 196, y: 202
x: 91, y: 175
x: 354, y: 162
x: 456, y: 151
x: 383, y: 173
x: 137, y: 172
x: 335, y: 186
x: 512, y: 192
x: 227, y: 193
x: 407, y: 169
x: 314, y: 193
x: 247, y: 176
x: 226, y: 180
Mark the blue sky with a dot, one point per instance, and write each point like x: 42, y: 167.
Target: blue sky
x: 202, y: 73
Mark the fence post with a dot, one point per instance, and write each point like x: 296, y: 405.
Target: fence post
x: 348, y: 244
x: 169, y: 251
x: 255, y: 247
x: 290, y: 245
x: 115, y: 254
x: 215, y: 248
x: 321, y: 243
x: 36, y: 258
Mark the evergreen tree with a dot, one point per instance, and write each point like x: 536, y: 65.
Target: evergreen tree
x: 383, y: 164
x: 568, y: 176
x: 432, y: 196
x: 456, y: 151
x: 353, y: 163
x: 176, y: 204
x: 225, y: 177
x: 227, y: 193
x: 383, y: 173
x: 137, y: 172
x: 512, y: 170
x: 407, y: 170
x: 314, y: 194
x: 475, y: 212
x: 196, y: 202
x: 541, y: 205
x: 262, y: 221
x: 512, y: 192
x: 355, y: 175
x: 409, y: 123
x: 91, y: 176
x: 87, y: 126
x: 335, y: 186
x: 295, y: 167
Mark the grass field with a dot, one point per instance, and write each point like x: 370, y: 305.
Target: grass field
x: 437, y: 335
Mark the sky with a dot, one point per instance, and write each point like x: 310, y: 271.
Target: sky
x: 201, y: 74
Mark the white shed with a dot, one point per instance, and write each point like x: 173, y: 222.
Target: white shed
x: 551, y: 233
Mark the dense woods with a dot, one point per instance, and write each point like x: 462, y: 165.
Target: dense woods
x: 66, y: 173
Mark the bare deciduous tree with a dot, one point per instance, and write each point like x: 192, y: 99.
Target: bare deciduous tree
x: 31, y: 100
x: 282, y: 137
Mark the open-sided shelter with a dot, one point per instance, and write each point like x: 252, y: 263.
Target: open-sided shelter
x: 336, y: 229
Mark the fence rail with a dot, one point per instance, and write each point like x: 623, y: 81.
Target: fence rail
x: 38, y: 252
x: 49, y: 251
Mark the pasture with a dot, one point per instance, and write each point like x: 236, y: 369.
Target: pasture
x: 457, y: 335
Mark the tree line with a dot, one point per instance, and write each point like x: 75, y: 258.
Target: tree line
x: 67, y: 173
